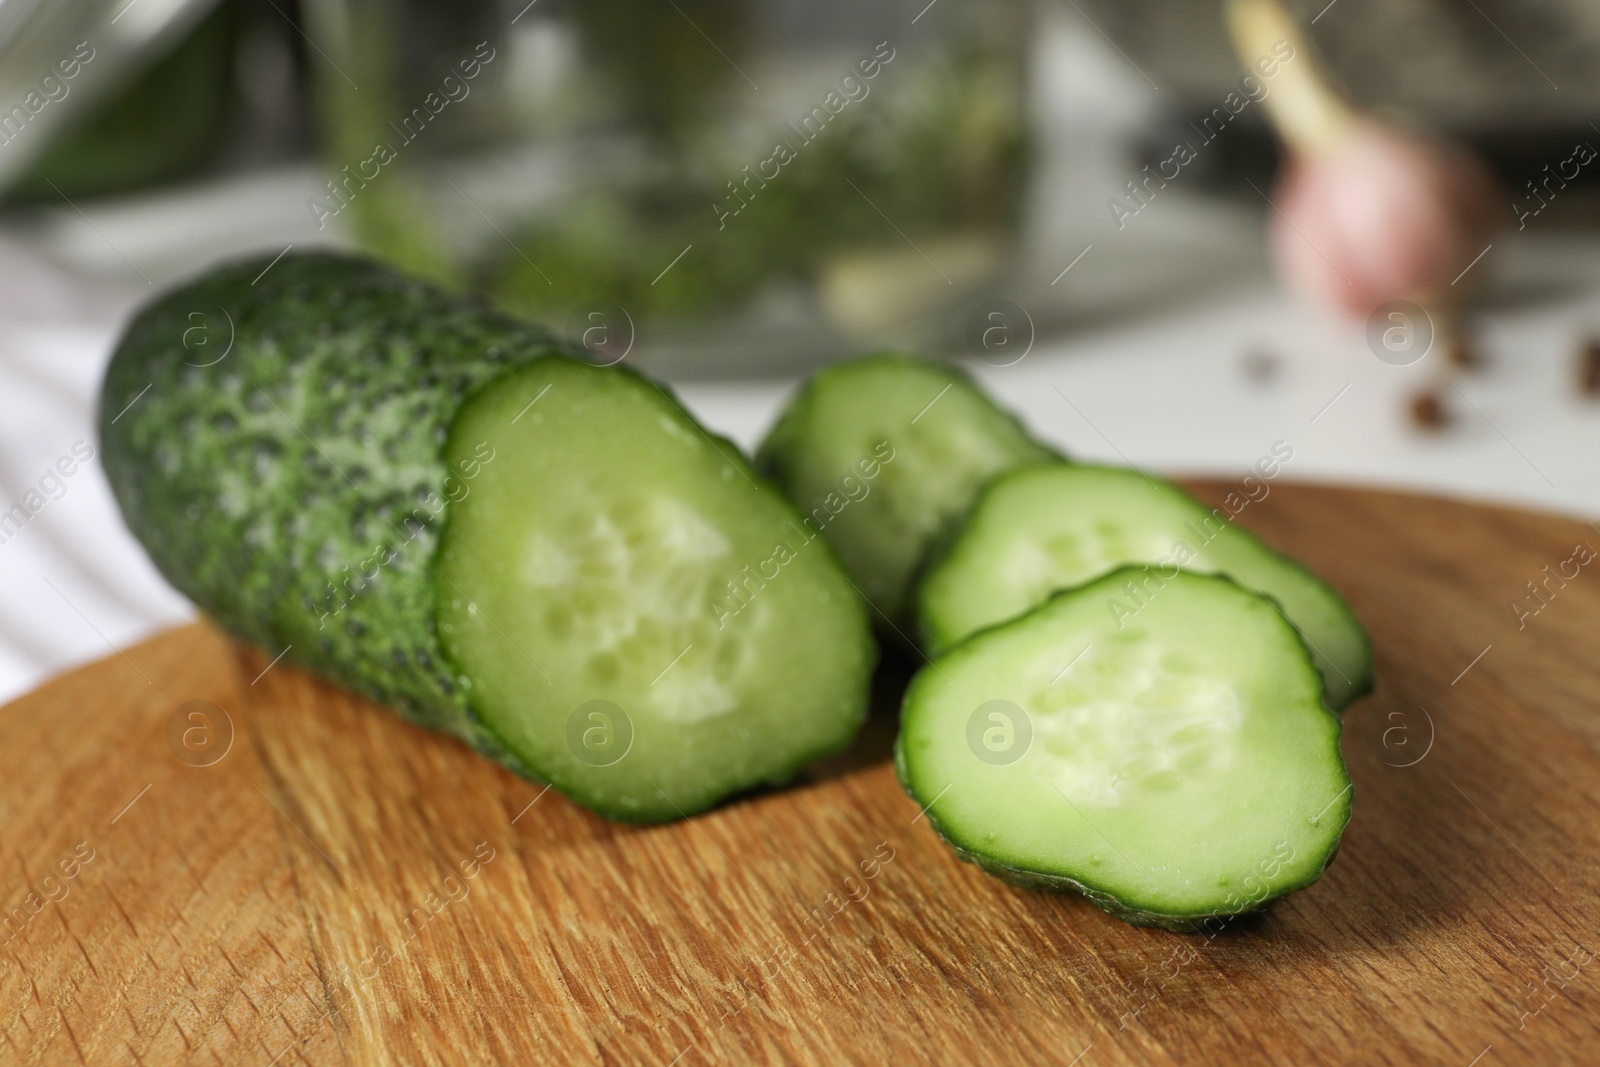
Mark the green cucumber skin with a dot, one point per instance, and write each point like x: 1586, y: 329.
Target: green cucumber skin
x: 1029, y: 879
x: 931, y: 639
x: 778, y: 458
x: 265, y: 484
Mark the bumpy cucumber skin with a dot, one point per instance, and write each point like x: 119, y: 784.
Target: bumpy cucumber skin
x: 266, y: 481
x: 935, y: 642
x: 288, y: 441
x: 1029, y: 879
x: 781, y: 452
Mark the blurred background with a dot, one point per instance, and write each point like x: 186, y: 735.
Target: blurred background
x: 1078, y: 199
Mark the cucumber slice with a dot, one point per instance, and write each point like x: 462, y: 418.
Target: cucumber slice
x: 882, y: 454
x: 297, y: 443
x: 1176, y: 768
x: 617, y: 562
x: 1048, y: 527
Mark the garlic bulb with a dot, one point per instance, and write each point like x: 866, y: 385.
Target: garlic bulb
x: 1368, y: 210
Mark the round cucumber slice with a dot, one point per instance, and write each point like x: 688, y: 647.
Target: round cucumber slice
x: 1176, y: 768
x: 882, y: 454
x: 637, y: 618
x: 1043, y: 528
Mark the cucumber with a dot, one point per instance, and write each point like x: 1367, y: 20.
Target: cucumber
x: 883, y: 454
x: 1047, y: 527
x: 1177, y: 769
x: 436, y: 506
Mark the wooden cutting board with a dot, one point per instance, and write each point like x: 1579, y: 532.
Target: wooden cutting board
x: 336, y: 886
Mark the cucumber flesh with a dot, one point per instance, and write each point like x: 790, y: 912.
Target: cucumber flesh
x: 1177, y: 768
x: 638, y: 619
x: 882, y: 455
x: 1048, y: 527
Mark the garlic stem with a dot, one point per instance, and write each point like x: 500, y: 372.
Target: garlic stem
x: 1307, y: 111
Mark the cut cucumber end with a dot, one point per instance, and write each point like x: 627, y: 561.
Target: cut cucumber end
x: 1178, y: 768
x: 1047, y: 527
x: 635, y: 616
x: 882, y: 454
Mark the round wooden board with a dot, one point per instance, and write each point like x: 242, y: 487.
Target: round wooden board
x: 303, y: 898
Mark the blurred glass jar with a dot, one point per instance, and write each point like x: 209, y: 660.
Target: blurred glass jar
x: 716, y: 186
x: 87, y: 88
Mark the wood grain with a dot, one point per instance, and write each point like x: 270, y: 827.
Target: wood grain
x: 302, y: 899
